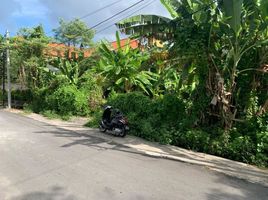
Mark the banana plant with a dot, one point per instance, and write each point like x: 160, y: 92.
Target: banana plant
x: 122, y: 68
x: 236, y: 12
x: 64, y: 68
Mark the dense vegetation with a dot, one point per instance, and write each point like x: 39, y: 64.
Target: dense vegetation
x: 205, y: 90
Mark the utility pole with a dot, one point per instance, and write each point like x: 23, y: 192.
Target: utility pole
x: 3, y: 77
x: 8, y: 72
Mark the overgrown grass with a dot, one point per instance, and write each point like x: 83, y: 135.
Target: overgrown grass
x: 165, y: 120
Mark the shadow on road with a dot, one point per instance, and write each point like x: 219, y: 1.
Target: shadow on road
x: 106, y: 142
x: 53, y: 194
x: 98, y: 140
x: 247, y: 191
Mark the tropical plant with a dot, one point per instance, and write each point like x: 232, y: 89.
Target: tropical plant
x: 149, y: 27
x: 67, y: 69
x: 215, y: 37
x: 122, y: 68
x: 27, y: 57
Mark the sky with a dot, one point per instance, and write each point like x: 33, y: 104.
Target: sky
x: 16, y: 14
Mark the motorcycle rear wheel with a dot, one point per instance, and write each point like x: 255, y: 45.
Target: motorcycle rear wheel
x: 102, y: 129
x: 123, y: 132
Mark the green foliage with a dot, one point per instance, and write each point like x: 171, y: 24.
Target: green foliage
x: 90, y: 84
x: 171, y: 7
x: 30, y: 33
x: 68, y: 100
x: 67, y: 69
x: 27, y: 58
x: 154, y: 122
x: 50, y: 114
x: 22, y: 95
x: 167, y: 120
x: 196, y: 140
x: 264, y: 9
x: 75, y: 33
x: 122, y: 69
x: 233, y: 10
x: 242, y: 149
x: 95, y: 119
x: 1, y: 97
x: 208, y: 86
x: 146, y: 26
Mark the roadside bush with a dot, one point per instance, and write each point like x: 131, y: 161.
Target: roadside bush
x: 1, y: 96
x: 90, y: 85
x: 68, y: 100
x: 196, y: 140
x: 242, y: 149
x: 22, y: 95
x: 95, y: 119
x: 164, y: 120
x: 152, y: 119
x: 38, y: 103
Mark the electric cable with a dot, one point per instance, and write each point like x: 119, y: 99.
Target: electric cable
x: 190, y: 14
x: 107, y: 19
x: 140, y: 8
x: 100, y: 9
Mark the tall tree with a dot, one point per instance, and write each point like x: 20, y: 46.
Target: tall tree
x: 27, y: 56
x: 75, y: 33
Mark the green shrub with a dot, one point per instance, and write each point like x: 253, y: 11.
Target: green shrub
x: 1, y: 96
x: 152, y: 119
x: 22, y: 95
x: 219, y: 146
x: 242, y: 149
x: 38, y: 103
x: 132, y: 103
x: 50, y: 114
x: 95, y: 119
x: 68, y: 100
x: 196, y: 140
x: 164, y: 120
x: 90, y: 85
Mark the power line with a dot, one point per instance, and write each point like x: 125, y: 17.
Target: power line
x: 140, y: 8
x: 113, y: 16
x: 94, y: 12
x: 132, y: 7
x: 190, y: 14
x: 107, y: 19
x: 100, y: 9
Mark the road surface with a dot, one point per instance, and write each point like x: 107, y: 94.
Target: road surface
x: 39, y: 161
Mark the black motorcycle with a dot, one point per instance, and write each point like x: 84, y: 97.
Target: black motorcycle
x: 114, y: 121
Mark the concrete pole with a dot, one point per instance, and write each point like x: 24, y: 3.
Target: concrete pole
x: 3, y: 79
x: 8, y: 72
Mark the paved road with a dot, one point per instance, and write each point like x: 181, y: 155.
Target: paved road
x: 42, y: 162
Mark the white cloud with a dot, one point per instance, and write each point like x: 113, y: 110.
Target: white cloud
x: 30, y: 8
x: 49, y: 11
x: 70, y: 9
x: 7, y: 8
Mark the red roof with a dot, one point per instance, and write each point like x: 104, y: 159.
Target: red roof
x: 59, y: 50
x: 134, y: 44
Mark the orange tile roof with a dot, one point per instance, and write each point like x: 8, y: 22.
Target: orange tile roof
x: 134, y: 44
x: 59, y: 50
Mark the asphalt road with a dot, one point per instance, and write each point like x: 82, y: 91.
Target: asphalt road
x: 42, y: 162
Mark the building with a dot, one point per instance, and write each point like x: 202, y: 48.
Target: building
x: 61, y: 50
